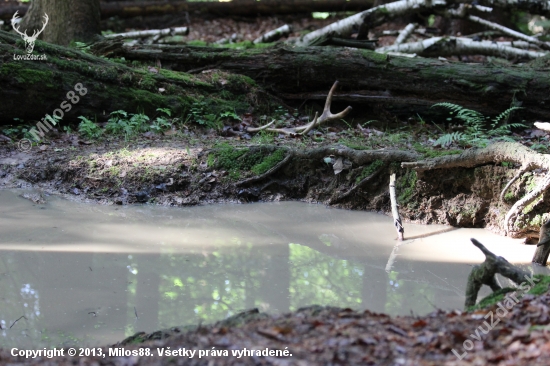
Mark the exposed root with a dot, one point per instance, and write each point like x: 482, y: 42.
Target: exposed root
x: 523, y: 170
x: 355, y: 187
x: 522, y: 203
x: 496, y: 153
x: 303, y: 130
x: 484, y: 274
x: 279, y: 165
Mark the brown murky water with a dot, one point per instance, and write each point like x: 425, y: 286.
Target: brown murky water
x: 85, y: 274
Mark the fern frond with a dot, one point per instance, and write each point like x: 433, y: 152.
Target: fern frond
x: 504, y: 115
x: 449, y: 138
x: 451, y: 106
x: 505, y: 138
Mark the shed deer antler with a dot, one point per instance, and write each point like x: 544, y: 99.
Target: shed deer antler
x: 325, y: 117
x: 29, y: 41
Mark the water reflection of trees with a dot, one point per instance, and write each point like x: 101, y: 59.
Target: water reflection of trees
x: 172, y: 288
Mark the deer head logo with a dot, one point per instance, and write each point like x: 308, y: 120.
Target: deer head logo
x: 29, y: 41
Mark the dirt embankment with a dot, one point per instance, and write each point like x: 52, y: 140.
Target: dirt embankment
x: 177, y: 172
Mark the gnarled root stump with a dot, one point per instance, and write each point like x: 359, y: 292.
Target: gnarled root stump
x: 497, y: 153
x: 484, y: 274
x: 543, y: 246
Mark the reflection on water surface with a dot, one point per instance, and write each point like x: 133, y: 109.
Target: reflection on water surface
x: 91, y: 275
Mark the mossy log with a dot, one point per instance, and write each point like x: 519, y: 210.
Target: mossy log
x: 484, y: 274
x: 125, y: 9
x: 543, y: 246
x: 365, y: 76
x: 30, y: 89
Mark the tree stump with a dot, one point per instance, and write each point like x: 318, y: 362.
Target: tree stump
x: 543, y: 246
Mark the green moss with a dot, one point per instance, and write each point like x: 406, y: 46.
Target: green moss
x: 541, y: 287
x: 26, y: 75
x: 405, y: 186
x: 509, y: 196
x: 369, y: 169
x: 428, y: 153
x: 240, y: 80
x: 491, y: 299
x: 237, y: 161
x: 269, y: 162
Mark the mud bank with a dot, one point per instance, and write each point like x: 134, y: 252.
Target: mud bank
x: 181, y: 173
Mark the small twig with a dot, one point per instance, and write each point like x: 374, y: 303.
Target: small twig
x: 207, y: 67
x: 21, y: 317
x: 135, y: 312
x: 394, y: 210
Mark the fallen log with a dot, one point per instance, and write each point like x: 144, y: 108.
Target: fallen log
x: 32, y: 89
x: 368, y: 76
x: 127, y: 9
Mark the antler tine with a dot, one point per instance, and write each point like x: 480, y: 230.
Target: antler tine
x: 329, y: 97
x: 13, y: 19
x: 35, y: 33
x: 325, y: 116
x: 256, y: 129
x: 311, y: 125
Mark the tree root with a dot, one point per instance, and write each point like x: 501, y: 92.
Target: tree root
x: 484, y: 274
x: 496, y: 153
x: 355, y: 187
x: 279, y: 165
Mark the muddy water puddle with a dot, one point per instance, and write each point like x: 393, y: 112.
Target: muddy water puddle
x: 86, y: 274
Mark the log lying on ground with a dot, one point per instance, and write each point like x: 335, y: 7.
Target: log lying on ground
x: 458, y: 46
x: 497, y: 153
x: 484, y: 274
x: 543, y: 246
x: 32, y: 89
x: 126, y: 9
x: 365, y: 76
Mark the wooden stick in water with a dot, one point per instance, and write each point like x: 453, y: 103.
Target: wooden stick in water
x: 394, y: 210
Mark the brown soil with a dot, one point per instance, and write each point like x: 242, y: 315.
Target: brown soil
x: 175, y: 171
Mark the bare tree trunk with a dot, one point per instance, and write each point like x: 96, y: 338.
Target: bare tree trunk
x: 69, y: 20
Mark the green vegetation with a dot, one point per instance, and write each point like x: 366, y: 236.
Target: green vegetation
x: 235, y: 161
x: 89, y: 129
x: 406, y: 185
x: 540, y: 288
x: 369, y: 169
x: 129, y: 125
x: 428, y: 153
x: 479, y: 130
x: 269, y: 162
